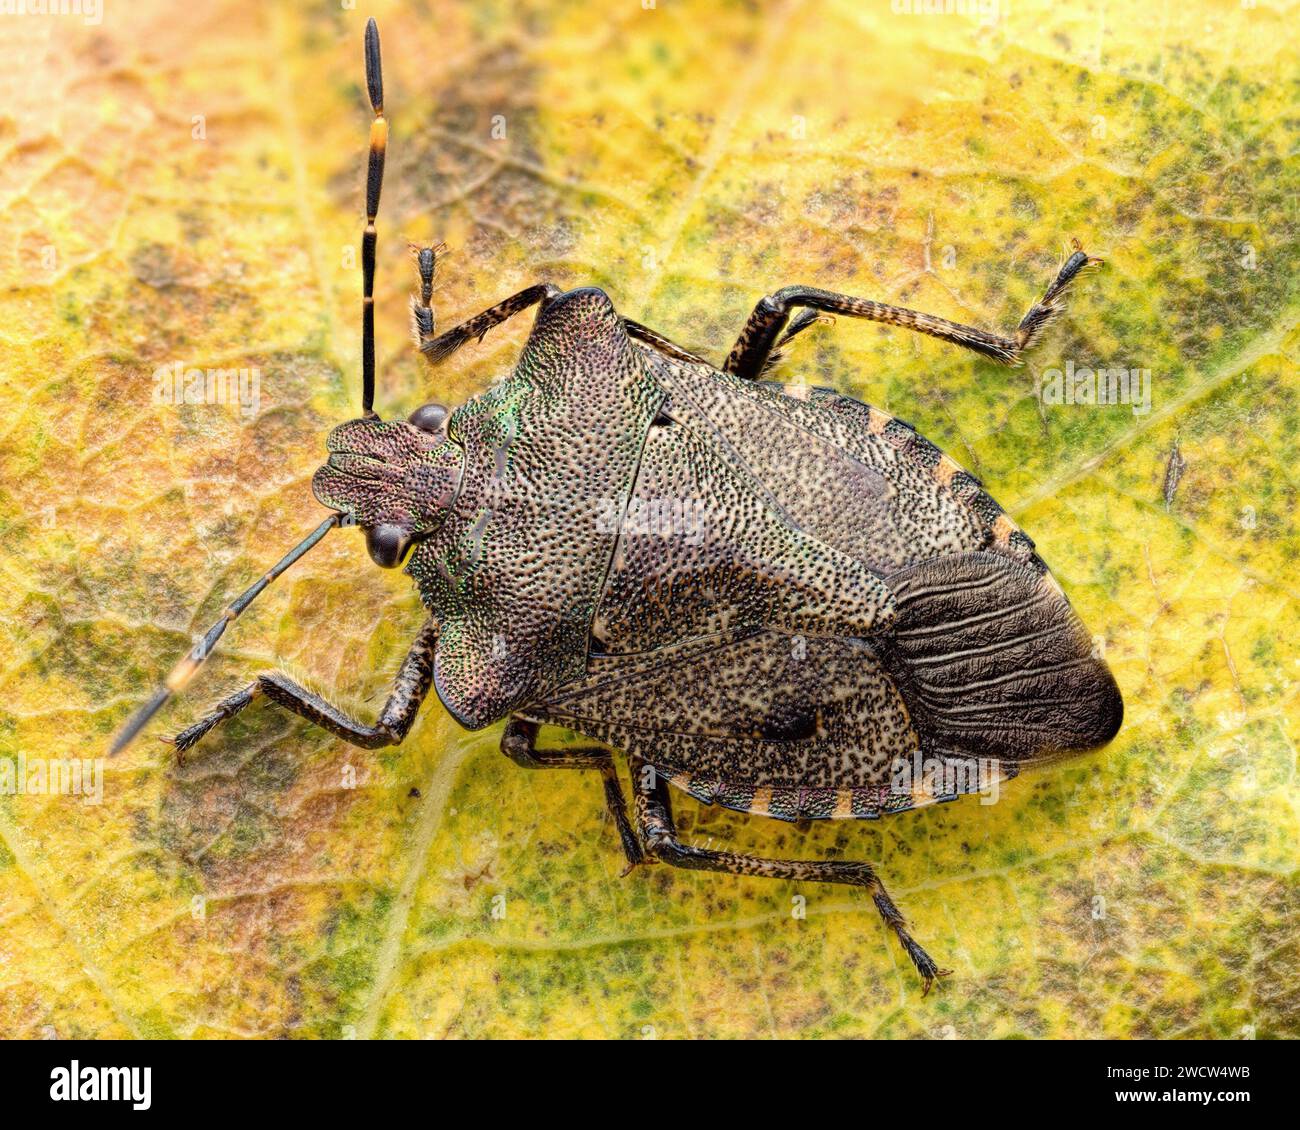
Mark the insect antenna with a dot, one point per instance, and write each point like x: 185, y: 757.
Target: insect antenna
x: 374, y: 182
x: 184, y: 671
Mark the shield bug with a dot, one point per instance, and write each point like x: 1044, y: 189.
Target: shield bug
x: 774, y: 598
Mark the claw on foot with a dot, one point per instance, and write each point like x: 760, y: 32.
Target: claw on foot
x: 929, y: 981
x: 1090, y: 260
x: 174, y: 740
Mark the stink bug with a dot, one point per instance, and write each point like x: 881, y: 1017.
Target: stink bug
x: 841, y: 599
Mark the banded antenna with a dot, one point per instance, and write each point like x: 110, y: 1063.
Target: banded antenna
x: 186, y: 669
x: 374, y: 182
x: 190, y: 663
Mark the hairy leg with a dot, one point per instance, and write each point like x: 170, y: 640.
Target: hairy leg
x: 438, y: 349
x: 395, y: 719
x: 519, y: 743
x: 750, y: 355
x: 659, y: 834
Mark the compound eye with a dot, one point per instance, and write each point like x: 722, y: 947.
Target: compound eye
x: 387, y: 545
x: 429, y: 417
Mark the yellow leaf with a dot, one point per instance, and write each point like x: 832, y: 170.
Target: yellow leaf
x: 180, y: 186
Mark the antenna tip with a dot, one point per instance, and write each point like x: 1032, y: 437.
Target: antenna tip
x: 127, y: 734
x: 374, y: 72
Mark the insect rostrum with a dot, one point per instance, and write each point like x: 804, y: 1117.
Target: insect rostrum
x: 849, y: 600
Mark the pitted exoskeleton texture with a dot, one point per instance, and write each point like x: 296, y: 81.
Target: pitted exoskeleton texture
x: 769, y: 593
x: 824, y: 472
x: 765, y: 708
x: 514, y: 575
x: 721, y: 652
x: 701, y: 551
x: 387, y: 471
x: 768, y: 596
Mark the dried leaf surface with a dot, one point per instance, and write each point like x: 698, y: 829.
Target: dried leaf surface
x: 181, y: 184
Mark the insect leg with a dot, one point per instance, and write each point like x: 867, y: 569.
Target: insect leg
x: 395, y: 720
x: 800, y: 322
x: 185, y: 670
x: 439, y: 348
x: 759, y: 337
x: 657, y: 341
x: 519, y: 743
x: 426, y: 264
x: 659, y: 834
x: 669, y: 348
